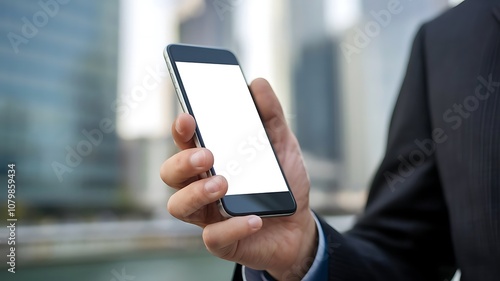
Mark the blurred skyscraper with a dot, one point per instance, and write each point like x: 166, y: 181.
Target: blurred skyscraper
x: 58, y: 68
x: 316, y: 90
x: 372, y: 76
x: 212, y: 27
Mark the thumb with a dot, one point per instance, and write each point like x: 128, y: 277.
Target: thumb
x: 269, y: 107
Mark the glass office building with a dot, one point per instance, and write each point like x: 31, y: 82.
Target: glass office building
x: 58, y: 71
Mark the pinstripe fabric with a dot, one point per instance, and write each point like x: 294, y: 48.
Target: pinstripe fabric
x: 469, y: 161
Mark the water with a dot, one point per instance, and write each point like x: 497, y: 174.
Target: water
x: 175, y: 266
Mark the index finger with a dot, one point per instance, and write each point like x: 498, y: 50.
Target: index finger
x: 186, y: 166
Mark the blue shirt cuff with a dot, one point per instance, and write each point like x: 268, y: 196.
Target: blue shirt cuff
x: 317, y: 271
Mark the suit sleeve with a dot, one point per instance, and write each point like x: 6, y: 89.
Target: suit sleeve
x: 404, y: 233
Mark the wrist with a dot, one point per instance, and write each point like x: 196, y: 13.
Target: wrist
x: 305, y: 254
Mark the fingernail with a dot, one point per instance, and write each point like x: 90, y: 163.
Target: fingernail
x: 213, y: 185
x: 254, y: 222
x: 198, y: 158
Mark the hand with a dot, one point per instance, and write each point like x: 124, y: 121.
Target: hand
x: 283, y: 245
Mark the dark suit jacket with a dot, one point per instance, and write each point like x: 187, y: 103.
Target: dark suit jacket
x: 434, y: 204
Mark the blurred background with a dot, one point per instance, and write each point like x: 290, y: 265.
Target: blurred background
x: 86, y: 106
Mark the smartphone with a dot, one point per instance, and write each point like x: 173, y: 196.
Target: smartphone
x: 211, y: 87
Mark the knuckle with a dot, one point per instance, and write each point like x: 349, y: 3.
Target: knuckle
x: 179, y: 162
x: 226, y: 253
x: 171, y: 207
x: 163, y: 169
x: 197, y: 199
x: 173, y: 168
x: 186, y: 202
x: 215, y: 246
x: 210, y: 240
x: 180, y: 167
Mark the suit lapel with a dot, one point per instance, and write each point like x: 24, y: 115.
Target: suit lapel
x: 496, y: 12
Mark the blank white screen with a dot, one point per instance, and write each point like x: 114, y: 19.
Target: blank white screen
x: 230, y: 127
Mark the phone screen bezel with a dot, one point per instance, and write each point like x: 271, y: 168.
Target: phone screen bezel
x: 262, y: 204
